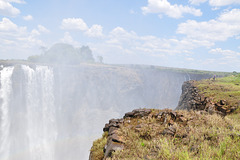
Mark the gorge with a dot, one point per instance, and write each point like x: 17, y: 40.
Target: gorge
x: 54, y: 112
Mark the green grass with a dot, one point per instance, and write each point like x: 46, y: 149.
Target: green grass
x: 226, y: 88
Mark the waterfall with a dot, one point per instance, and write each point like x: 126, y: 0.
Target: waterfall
x: 55, y: 113
x: 28, y: 128
x: 5, y: 91
x: 41, y: 116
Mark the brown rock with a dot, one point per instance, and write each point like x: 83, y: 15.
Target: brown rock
x: 222, y: 102
x: 112, y: 131
x: 106, y: 128
x: 218, y: 104
x: 113, y: 121
x: 141, y: 112
x: 169, y: 131
x: 116, y: 138
x: 228, y: 111
x: 112, y: 147
x: 129, y: 114
x: 182, y: 119
x: 222, y: 108
x: 173, y: 115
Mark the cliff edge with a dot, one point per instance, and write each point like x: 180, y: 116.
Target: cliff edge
x: 196, y: 97
x: 205, y: 125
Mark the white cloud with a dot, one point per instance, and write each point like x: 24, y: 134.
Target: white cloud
x: 197, y: 2
x: 149, y: 45
x: 223, y: 2
x: 129, y: 47
x: 16, y: 1
x: 43, y: 29
x: 17, y: 39
x: 28, y: 18
x: 95, y: 31
x: 174, y: 11
x: 227, y: 52
x: 189, y: 59
x: 215, y: 8
x: 7, y: 25
x: 215, y: 3
x: 227, y: 59
x: 78, y: 24
x: 35, y: 33
x: 227, y: 25
x: 6, y: 8
x: 74, y: 24
x: 69, y: 40
x: 231, y: 17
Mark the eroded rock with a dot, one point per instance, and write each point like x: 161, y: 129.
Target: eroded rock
x: 191, y: 99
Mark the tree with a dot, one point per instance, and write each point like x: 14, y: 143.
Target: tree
x: 100, y: 59
x: 62, y: 53
x: 86, y: 54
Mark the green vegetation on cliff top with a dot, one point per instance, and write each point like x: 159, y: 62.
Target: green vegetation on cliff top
x: 203, y: 136
x: 226, y: 88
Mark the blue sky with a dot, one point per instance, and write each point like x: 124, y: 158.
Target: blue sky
x: 197, y: 34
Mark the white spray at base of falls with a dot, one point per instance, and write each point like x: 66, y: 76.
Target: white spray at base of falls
x: 41, y: 115
x: 5, y: 91
x: 28, y: 128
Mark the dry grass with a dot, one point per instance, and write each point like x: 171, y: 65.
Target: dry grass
x: 98, y: 146
x: 203, y: 137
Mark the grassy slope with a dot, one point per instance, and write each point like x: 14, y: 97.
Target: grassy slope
x: 227, y: 88
x: 204, y: 136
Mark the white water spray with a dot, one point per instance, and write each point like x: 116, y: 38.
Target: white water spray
x: 5, y: 91
x: 41, y: 115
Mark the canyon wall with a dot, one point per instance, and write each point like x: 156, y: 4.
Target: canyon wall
x: 55, y: 112
x: 193, y: 99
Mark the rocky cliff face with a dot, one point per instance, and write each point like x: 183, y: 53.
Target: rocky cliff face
x: 115, y: 142
x: 193, y: 99
x: 183, y: 128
